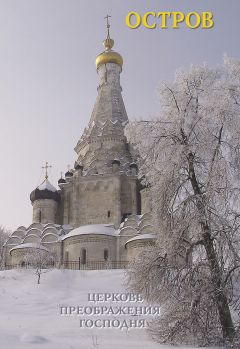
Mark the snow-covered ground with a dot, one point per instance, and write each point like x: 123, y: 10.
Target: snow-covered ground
x: 30, y: 313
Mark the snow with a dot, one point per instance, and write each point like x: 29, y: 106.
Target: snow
x: 142, y: 237
x: 29, y: 245
x: 30, y: 313
x: 99, y: 229
x: 46, y: 185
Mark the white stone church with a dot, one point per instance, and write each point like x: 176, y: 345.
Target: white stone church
x: 100, y: 214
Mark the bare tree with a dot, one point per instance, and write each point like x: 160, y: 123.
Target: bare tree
x: 191, y: 158
x: 40, y: 260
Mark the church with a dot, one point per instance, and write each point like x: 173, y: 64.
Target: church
x: 100, y: 215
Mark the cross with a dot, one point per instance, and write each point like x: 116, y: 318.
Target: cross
x: 46, y: 167
x: 108, y: 24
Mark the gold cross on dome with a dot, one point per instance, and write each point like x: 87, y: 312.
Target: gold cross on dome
x: 108, y: 25
x: 46, y: 167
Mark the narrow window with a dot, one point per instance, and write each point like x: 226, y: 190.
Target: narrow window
x: 40, y: 216
x: 66, y: 260
x: 109, y: 214
x: 84, y: 256
x: 106, y: 255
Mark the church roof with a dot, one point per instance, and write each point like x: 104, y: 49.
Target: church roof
x: 37, y: 232
x: 29, y: 245
x: 95, y: 229
x: 46, y: 185
x: 142, y: 237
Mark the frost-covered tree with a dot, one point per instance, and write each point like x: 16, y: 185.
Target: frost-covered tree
x: 40, y: 261
x: 4, y: 234
x: 191, y: 158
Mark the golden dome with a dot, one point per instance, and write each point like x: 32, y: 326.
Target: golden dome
x: 108, y: 56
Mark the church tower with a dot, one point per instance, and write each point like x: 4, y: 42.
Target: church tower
x: 45, y: 200
x: 102, y: 188
x: 104, y: 140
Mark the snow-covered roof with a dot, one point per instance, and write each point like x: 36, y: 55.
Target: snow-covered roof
x: 46, y: 185
x: 97, y: 229
x: 39, y: 231
x: 142, y: 237
x: 29, y: 245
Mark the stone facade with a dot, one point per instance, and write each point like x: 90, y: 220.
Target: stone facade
x: 99, y: 213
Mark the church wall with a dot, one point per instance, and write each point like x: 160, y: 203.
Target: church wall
x: 94, y: 245
x: 136, y: 246
x: 17, y: 256
x: 94, y: 199
x: 7, y: 256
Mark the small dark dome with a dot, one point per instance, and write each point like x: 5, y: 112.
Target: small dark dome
x: 45, y: 191
x: 133, y: 165
x: 68, y: 174
x: 116, y: 161
x: 61, y: 180
x: 78, y: 167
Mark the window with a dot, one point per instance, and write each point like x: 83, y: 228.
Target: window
x: 83, y: 256
x: 109, y: 214
x: 106, y: 255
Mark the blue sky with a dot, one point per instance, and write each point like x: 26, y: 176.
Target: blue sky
x: 48, y: 79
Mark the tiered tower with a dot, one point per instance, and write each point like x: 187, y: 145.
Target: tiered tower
x: 104, y: 140
x: 102, y: 188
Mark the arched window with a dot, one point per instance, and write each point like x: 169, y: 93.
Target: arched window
x: 83, y: 256
x: 109, y: 214
x: 106, y: 255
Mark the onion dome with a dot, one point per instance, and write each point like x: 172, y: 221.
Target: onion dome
x: 61, y: 180
x: 108, y: 56
x: 78, y: 166
x: 68, y: 174
x: 45, y: 191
